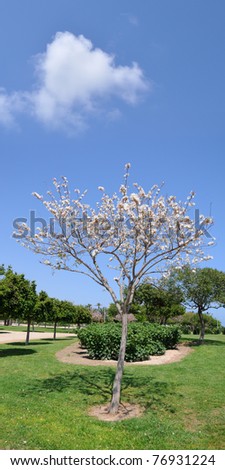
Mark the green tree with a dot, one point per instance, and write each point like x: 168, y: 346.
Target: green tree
x: 190, y: 323
x: 112, y: 311
x: 203, y: 289
x: 18, y: 298
x: 43, y: 307
x: 27, y: 302
x: 2, y: 270
x: 59, y: 311
x: 82, y: 315
x: 160, y: 301
x: 8, y: 295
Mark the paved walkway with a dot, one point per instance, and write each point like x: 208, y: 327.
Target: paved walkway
x: 20, y: 336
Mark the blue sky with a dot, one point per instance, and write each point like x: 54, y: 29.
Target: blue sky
x: 165, y: 115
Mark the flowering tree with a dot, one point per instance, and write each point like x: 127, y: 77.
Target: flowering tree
x: 139, y: 233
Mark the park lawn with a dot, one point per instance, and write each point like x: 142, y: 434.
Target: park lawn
x: 44, y: 403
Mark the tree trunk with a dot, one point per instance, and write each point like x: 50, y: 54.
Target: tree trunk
x: 28, y: 332
x: 202, y: 323
x: 54, y: 335
x: 114, y: 405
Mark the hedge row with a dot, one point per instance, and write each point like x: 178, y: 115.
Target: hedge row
x: 102, y: 341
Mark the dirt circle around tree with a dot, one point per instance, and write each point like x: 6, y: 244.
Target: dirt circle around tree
x: 125, y: 411
x: 76, y: 355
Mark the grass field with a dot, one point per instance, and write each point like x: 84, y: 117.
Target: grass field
x: 44, y: 403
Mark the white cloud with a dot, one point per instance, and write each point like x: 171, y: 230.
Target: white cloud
x: 74, y: 81
x: 10, y: 105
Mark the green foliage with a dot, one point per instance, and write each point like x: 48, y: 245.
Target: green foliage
x: 2, y: 269
x: 112, y: 311
x: 43, y: 307
x: 144, y: 339
x: 189, y: 323
x: 17, y: 296
x: 202, y: 288
x: 19, y: 301
x: 82, y: 315
x: 59, y: 311
x: 139, y: 311
x: 158, y: 303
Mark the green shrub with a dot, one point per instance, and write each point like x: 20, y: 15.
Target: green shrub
x: 102, y: 341
x: 169, y: 336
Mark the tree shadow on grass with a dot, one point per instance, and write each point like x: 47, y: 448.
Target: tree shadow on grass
x: 145, y: 391
x: 16, y: 352
x: 68, y: 338
x: 32, y: 343
x: 214, y: 342
x: 206, y: 342
x: 38, y: 342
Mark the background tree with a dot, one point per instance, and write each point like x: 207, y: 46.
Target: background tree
x: 137, y: 232
x: 112, y: 311
x: 160, y: 301
x: 190, y: 323
x: 203, y: 289
x: 27, y: 303
x: 2, y: 269
x: 18, y: 298
x: 8, y: 295
x: 59, y: 311
x: 43, y: 307
x: 81, y: 315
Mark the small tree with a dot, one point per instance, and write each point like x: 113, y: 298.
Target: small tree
x: 189, y: 323
x: 203, y: 289
x: 44, y: 307
x: 161, y: 301
x: 59, y: 311
x: 28, y: 299
x: 137, y: 232
x: 18, y: 298
x: 82, y: 315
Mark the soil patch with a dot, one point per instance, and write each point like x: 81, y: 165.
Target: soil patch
x: 74, y: 354
x: 126, y: 411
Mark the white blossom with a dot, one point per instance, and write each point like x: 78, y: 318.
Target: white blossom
x: 141, y: 231
x: 38, y: 196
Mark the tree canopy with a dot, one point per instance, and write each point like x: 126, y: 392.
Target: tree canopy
x: 203, y: 289
x: 18, y: 297
x: 160, y: 301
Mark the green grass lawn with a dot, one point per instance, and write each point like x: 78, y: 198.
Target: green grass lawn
x: 44, y: 403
